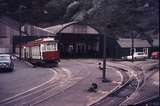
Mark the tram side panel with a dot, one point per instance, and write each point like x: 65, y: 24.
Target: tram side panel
x: 35, y: 57
x: 50, y: 53
x: 40, y: 52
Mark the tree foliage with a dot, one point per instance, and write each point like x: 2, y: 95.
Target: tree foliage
x: 124, y: 16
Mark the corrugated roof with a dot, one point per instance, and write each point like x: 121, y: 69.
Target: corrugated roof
x: 43, y: 32
x: 127, y: 43
x: 55, y: 29
x: 72, y: 27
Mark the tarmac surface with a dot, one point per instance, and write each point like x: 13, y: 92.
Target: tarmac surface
x: 77, y: 95
x: 23, y: 78
x: 72, y: 91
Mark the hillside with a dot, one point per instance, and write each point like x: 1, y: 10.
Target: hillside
x: 123, y: 16
x: 119, y: 17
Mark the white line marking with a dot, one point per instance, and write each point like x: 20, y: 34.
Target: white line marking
x: 120, y: 76
x: 19, y: 94
x: 67, y: 71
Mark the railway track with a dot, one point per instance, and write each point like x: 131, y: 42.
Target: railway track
x: 121, y: 94
x: 142, y: 69
x: 132, y: 81
x: 146, y: 100
x: 64, y: 80
x: 40, y: 93
x: 152, y: 101
x: 118, y: 95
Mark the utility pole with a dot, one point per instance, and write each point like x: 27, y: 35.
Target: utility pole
x: 104, y: 60
x: 104, y: 79
x: 132, y: 47
x: 20, y: 30
x: 20, y: 33
x: 133, y: 50
x: 133, y: 27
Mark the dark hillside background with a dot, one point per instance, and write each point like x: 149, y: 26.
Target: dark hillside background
x: 121, y: 16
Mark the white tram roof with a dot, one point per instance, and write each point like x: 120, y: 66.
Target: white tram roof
x: 48, y: 39
x: 39, y: 41
x: 44, y: 39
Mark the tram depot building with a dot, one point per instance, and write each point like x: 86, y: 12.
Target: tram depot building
x: 79, y: 40
x: 76, y: 40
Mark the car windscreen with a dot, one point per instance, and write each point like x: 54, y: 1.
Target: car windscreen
x: 4, y: 58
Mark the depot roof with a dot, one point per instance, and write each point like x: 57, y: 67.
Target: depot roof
x: 72, y: 27
x: 127, y: 43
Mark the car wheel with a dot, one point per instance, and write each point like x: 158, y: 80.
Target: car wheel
x: 11, y: 70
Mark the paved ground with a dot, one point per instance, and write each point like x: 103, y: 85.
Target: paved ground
x: 23, y: 78
x: 150, y: 85
x: 77, y: 95
x: 83, y: 73
x: 149, y: 89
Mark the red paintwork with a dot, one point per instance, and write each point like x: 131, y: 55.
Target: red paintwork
x: 155, y: 55
x: 50, y: 55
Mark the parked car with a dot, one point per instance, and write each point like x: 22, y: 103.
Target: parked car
x: 6, y: 63
x: 155, y: 55
x: 136, y: 56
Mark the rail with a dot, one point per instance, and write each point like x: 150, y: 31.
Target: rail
x: 131, y: 80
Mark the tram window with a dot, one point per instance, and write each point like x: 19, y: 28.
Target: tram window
x: 53, y: 46
x: 49, y: 47
x: 43, y: 47
x: 56, y: 46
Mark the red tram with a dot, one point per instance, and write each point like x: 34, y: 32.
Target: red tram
x: 40, y: 51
